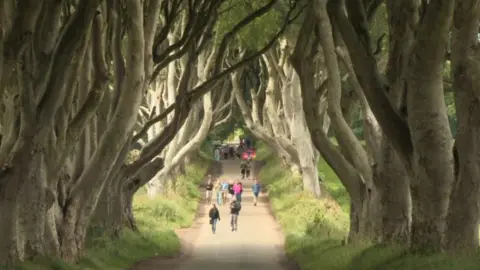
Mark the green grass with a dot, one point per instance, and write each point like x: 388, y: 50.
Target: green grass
x: 156, y: 220
x: 262, y: 152
x: 333, y: 186
x: 314, y: 229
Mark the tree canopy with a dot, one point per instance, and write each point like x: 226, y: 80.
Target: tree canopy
x: 101, y: 98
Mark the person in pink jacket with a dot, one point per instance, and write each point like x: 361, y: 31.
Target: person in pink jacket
x: 237, y: 190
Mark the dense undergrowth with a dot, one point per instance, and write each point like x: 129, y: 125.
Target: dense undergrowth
x: 315, y: 229
x: 156, y: 220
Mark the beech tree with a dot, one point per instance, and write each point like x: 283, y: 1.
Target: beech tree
x: 427, y: 225
x: 405, y: 182
x: 275, y: 114
x: 408, y: 138
x: 73, y: 84
x: 82, y: 83
x: 194, y: 130
x: 321, y: 81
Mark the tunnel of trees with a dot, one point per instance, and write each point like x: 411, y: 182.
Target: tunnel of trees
x: 100, y: 98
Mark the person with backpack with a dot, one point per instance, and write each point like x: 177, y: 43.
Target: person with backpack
x: 214, y: 216
x: 256, y: 192
x: 235, y: 208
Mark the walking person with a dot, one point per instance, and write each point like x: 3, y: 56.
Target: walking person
x: 239, y: 152
x: 256, y: 192
x: 225, y: 152
x: 243, y: 168
x: 235, y: 208
x: 209, y: 189
x: 216, y: 154
x: 224, y: 190
x: 237, y: 190
x: 214, y: 215
x: 218, y: 192
x: 248, y: 167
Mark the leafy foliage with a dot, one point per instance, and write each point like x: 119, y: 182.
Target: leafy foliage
x: 315, y: 229
x: 379, y: 26
x: 257, y: 33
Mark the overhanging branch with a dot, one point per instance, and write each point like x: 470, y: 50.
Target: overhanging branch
x: 372, y: 83
x: 197, y: 92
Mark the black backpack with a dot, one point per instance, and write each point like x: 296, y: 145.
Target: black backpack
x: 211, y: 214
x: 237, y: 206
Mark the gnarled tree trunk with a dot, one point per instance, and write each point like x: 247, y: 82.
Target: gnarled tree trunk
x: 348, y: 175
x: 350, y: 145
x: 430, y: 129
x: 464, y: 210
x: 300, y: 134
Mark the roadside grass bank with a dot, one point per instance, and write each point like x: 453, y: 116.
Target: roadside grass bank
x: 314, y: 229
x: 156, y: 219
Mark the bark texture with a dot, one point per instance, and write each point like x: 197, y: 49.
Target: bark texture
x: 73, y: 77
x: 463, y: 215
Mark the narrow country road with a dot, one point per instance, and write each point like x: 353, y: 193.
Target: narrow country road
x: 257, y: 245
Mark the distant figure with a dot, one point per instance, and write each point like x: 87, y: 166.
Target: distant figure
x: 218, y: 192
x: 240, y: 151
x: 225, y: 152
x: 225, y: 190
x: 209, y: 189
x: 214, y: 215
x: 238, y: 189
x: 256, y: 192
x: 247, y: 143
x: 232, y: 152
x: 216, y: 154
x: 243, y: 168
x: 235, y: 208
x: 249, y: 167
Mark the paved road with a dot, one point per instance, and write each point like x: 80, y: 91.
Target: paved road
x: 257, y: 245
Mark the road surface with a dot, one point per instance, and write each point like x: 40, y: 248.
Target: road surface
x: 256, y: 245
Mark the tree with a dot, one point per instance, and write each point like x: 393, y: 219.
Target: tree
x: 462, y: 219
x: 409, y: 106
x: 73, y: 84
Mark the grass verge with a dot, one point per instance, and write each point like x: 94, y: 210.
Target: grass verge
x: 314, y: 229
x: 156, y: 219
